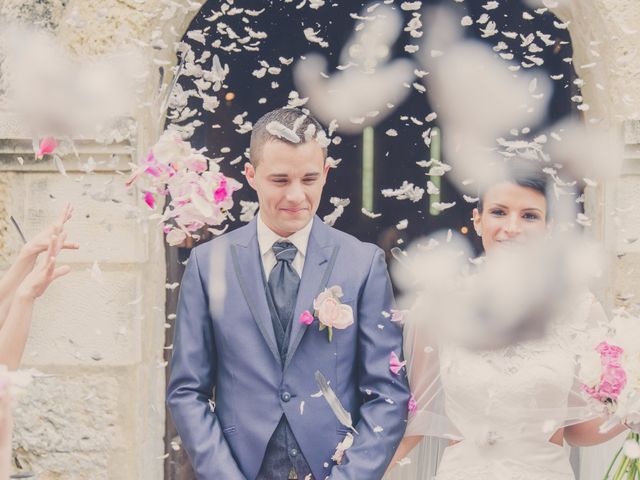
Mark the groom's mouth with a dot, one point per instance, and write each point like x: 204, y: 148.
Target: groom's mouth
x: 294, y: 211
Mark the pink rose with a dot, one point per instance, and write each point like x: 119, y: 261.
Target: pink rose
x: 612, y: 382
x: 306, y: 318
x: 332, y: 313
x: 609, y: 353
x: 613, y: 377
x: 321, y: 298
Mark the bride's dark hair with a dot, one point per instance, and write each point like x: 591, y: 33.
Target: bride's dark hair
x: 525, y: 173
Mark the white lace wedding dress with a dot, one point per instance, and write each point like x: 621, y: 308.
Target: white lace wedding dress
x: 501, y: 406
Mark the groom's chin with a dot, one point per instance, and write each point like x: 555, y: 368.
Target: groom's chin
x: 292, y: 222
x: 295, y: 225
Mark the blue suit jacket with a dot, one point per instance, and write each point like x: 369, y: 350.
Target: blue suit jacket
x: 224, y: 341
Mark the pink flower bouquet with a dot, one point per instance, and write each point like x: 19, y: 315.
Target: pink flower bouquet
x: 201, y: 196
x: 610, y: 375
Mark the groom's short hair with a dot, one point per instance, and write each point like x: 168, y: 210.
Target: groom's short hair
x: 302, y: 124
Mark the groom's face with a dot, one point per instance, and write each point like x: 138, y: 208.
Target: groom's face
x: 289, y: 181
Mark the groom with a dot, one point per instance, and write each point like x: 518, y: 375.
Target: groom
x: 243, y: 392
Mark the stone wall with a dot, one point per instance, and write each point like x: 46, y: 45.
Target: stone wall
x: 606, y: 41
x: 96, y: 410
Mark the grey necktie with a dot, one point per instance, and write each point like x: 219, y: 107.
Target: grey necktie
x: 284, y: 281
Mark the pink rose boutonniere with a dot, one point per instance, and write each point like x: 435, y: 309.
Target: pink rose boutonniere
x: 329, y: 311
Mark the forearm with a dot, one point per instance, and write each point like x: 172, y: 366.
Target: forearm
x: 11, y: 280
x: 14, y: 334
x: 16, y: 273
x: 588, y: 433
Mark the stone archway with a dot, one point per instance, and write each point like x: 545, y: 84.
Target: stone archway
x: 112, y: 427
x: 606, y: 39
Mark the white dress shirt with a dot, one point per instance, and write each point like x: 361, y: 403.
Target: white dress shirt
x: 266, y: 239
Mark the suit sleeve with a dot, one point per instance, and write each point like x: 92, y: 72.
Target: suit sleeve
x: 193, y: 377
x: 383, y: 413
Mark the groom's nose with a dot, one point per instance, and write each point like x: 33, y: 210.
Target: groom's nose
x: 295, y: 193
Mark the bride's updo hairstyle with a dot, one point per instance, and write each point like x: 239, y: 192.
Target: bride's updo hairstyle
x: 525, y: 173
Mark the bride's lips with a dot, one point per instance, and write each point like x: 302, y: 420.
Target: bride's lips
x: 510, y: 242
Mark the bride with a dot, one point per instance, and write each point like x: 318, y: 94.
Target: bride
x: 506, y: 412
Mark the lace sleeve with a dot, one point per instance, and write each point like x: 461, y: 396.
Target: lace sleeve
x: 423, y: 368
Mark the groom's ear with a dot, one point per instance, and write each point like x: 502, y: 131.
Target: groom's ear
x: 250, y: 174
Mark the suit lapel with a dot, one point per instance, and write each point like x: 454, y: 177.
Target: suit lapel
x: 246, y: 262
x: 319, y: 260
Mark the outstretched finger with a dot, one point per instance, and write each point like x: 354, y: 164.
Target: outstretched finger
x: 50, y: 268
x: 59, y: 242
x: 70, y: 246
x: 60, y: 272
x: 51, y: 248
x: 67, y: 211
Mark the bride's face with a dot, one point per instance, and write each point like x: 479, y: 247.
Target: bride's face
x: 511, y: 214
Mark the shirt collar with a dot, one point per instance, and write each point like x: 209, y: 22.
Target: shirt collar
x: 267, y: 237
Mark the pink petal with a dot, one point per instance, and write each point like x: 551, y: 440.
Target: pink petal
x: 221, y: 194
x: 395, y: 365
x: 47, y: 146
x: 149, y: 199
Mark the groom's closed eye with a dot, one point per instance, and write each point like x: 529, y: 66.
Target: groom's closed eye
x: 279, y: 178
x: 311, y: 178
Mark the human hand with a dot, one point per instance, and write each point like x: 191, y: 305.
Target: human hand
x: 634, y: 426
x: 35, y: 284
x: 40, y: 242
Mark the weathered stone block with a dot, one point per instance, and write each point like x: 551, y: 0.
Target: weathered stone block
x: 625, y: 285
x: 631, y: 130
x: 88, y: 319
x: 626, y: 217
x: 66, y: 427
x: 109, y: 221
